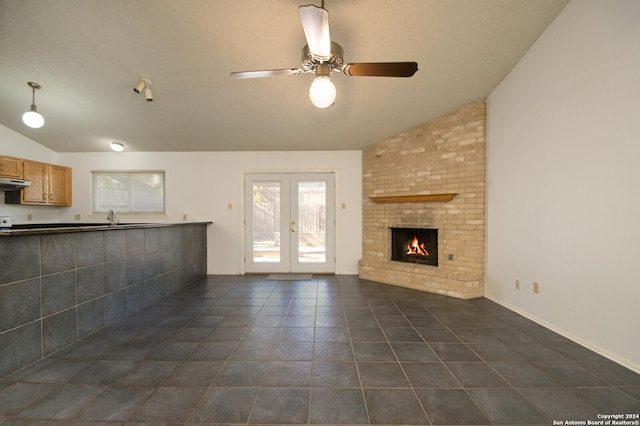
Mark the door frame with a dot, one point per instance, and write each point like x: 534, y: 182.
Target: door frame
x: 333, y: 203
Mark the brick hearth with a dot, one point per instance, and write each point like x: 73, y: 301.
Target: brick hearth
x: 443, y: 156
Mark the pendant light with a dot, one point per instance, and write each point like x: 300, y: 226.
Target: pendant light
x: 33, y: 118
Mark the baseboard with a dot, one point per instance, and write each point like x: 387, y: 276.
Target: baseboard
x: 597, y: 349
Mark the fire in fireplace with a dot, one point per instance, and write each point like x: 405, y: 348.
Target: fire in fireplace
x: 415, y: 245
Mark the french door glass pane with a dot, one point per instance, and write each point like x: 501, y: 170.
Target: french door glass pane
x: 266, y: 221
x: 312, y: 206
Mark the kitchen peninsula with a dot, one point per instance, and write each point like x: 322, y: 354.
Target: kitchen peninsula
x: 61, y: 284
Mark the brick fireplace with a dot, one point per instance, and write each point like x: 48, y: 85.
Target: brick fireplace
x: 429, y: 177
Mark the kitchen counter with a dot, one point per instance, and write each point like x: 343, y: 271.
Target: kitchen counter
x: 61, y: 282
x: 61, y: 228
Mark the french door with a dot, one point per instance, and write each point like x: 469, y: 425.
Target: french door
x: 289, y: 223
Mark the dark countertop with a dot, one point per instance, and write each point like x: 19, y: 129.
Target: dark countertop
x: 60, y: 228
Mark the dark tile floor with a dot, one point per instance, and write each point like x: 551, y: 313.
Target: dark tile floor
x: 333, y: 350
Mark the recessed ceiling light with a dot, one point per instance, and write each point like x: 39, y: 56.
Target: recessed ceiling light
x: 117, y: 146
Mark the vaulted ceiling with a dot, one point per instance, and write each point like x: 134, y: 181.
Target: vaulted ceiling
x: 88, y: 54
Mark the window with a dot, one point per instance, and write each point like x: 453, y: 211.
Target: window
x: 128, y: 192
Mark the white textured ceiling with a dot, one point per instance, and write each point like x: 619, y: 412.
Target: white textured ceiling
x: 88, y: 54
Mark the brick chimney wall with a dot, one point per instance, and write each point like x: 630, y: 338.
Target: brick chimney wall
x: 445, y: 155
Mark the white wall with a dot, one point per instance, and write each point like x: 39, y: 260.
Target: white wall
x: 203, y: 184
x: 563, y: 172
x: 14, y: 144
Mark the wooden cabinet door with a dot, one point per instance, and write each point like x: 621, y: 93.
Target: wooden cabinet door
x: 38, y: 192
x: 59, y: 185
x: 11, y: 167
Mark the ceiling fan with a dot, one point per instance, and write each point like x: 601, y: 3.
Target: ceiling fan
x: 321, y: 56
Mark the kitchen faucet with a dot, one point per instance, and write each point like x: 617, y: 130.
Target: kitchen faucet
x: 111, y: 217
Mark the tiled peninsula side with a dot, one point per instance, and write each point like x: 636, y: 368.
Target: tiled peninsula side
x: 58, y: 287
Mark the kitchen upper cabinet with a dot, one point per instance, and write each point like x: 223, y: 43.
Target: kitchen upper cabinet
x: 11, y: 167
x: 50, y: 185
x: 37, y: 193
x: 59, y: 185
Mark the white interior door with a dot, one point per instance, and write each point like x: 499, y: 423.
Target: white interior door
x: 289, y: 223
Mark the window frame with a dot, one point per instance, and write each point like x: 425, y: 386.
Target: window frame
x: 94, y: 193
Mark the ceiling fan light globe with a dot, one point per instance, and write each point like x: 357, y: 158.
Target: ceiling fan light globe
x: 322, y: 92
x: 33, y: 119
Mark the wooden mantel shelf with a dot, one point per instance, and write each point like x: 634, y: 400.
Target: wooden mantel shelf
x: 424, y: 198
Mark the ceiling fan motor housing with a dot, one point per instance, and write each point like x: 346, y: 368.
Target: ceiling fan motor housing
x: 335, y: 61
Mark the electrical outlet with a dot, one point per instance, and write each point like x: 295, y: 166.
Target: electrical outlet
x: 517, y: 284
x: 536, y: 287
x: 29, y: 217
x: 184, y: 216
x: 450, y: 257
x: 77, y: 217
x: 229, y: 206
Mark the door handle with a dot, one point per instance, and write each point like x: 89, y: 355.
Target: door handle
x: 293, y: 229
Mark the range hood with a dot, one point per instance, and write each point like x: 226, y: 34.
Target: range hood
x: 9, y: 184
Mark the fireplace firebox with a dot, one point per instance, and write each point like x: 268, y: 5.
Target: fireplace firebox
x: 415, y: 245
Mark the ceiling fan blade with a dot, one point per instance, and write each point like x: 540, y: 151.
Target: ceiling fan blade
x: 380, y: 69
x: 315, y: 22
x: 265, y: 73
